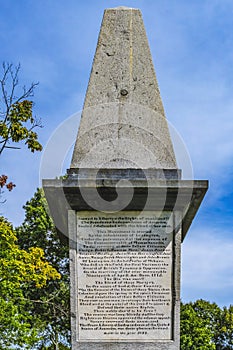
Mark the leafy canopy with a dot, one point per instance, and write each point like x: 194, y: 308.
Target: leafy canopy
x: 19, y: 270
x: 53, y: 299
x: 205, y: 326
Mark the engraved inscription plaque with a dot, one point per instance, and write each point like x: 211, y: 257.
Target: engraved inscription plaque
x: 125, y: 271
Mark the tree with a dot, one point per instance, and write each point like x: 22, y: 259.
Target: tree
x: 195, y: 335
x: 211, y: 315
x: 205, y: 325
x: 225, y: 336
x: 17, y: 123
x: 20, y: 270
x: 53, y: 299
x: 16, y: 118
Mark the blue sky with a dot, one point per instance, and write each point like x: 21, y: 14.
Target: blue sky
x: 192, y: 48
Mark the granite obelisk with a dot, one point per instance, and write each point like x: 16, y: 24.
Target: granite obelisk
x: 123, y: 205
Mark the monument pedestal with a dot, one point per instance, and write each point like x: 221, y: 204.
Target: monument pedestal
x: 125, y: 265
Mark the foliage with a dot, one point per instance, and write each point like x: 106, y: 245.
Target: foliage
x: 195, y: 334
x: 19, y: 270
x: 59, y: 347
x: 205, y: 325
x: 5, y: 183
x: 226, y: 334
x: 17, y: 122
x: 53, y: 299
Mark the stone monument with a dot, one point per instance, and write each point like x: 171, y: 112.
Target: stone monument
x: 123, y: 205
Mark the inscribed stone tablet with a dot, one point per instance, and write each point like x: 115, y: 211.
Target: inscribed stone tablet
x: 125, y: 276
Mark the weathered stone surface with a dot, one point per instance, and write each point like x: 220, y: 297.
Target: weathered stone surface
x: 123, y: 124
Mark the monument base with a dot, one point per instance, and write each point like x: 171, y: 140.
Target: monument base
x: 125, y: 266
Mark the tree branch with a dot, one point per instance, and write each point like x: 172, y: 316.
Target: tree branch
x: 18, y: 111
